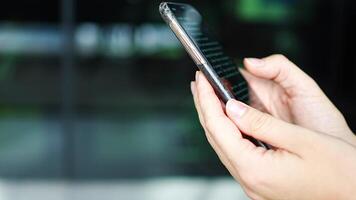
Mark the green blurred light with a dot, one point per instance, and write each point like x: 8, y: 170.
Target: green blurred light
x: 261, y: 10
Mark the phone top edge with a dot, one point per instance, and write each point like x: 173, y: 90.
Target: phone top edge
x: 163, y: 6
x: 175, y: 3
x: 180, y: 33
x: 163, y: 10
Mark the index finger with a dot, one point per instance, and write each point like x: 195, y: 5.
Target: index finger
x: 237, y: 149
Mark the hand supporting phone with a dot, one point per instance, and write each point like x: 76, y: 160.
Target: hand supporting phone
x: 207, y: 53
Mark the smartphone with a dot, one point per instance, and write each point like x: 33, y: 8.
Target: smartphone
x: 207, y: 53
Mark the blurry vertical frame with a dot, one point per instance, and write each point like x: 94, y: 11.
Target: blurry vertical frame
x: 207, y: 53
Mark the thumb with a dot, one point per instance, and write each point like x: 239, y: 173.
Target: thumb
x: 266, y: 128
x: 283, y: 72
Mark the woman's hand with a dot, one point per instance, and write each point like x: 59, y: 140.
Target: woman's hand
x: 283, y: 90
x: 305, y: 164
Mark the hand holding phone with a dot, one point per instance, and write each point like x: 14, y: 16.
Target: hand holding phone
x: 207, y: 53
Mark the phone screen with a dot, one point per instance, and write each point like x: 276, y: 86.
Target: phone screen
x: 225, y: 67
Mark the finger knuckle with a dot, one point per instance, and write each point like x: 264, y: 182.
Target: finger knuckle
x: 260, y: 123
x: 279, y: 57
x: 254, y: 179
x: 209, y: 123
x: 209, y: 139
x: 212, y: 122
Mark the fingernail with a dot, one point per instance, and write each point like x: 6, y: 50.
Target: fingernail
x: 196, y: 75
x: 255, y: 62
x: 236, y: 108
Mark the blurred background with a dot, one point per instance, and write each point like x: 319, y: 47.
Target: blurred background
x: 95, y: 100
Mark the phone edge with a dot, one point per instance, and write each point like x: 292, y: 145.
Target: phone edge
x: 194, y: 52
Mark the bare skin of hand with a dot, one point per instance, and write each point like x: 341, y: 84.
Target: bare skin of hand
x: 281, y: 89
x: 306, y: 162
